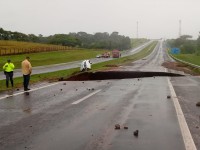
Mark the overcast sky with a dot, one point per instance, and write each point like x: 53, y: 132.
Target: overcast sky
x: 156, y: 18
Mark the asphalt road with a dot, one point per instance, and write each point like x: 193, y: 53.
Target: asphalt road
x: 70, y: 65
x: 81, y: 115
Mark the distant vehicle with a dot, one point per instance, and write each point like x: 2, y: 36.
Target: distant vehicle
x: 85, y: 65
x: 106, y: 55
x: 99, y: 56
x: 116, y: 53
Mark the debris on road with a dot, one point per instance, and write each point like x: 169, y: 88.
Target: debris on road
x: 17, y: 89
x: 64, y: 83
x: 117, y: 127
x: 125, y: 127
x: 92, y: 89
x: 168, y: 97
x: 135, y: 133
x: 60, y: 89
x: 198, y: 104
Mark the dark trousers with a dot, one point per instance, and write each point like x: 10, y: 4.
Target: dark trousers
x: 26, y: 81
x: 9, y: 76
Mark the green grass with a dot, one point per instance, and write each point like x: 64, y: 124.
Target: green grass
x: 54, y: 76
x: 48, y: 58
x: 191, y: 58
x: 48, y: 77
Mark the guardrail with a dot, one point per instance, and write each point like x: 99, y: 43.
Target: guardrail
x: 185, y: 62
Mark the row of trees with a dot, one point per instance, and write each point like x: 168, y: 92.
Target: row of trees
x: 186, y: 44
x: 80, y: 39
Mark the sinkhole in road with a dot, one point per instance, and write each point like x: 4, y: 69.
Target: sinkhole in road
x: 109, y: 75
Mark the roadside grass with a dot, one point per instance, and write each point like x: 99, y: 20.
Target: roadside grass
x: 54, y: 76
x: 49, y: 58
x: 191, y: 58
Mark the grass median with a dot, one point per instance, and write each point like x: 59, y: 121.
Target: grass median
x: 54, y: 76
x: 49, y: 58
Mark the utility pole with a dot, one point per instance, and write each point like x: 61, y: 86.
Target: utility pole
x: 137, y: 30
x: 179, y: 28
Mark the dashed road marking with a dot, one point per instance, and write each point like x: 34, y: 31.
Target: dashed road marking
x: 35, y: 89
x: 84, y: 98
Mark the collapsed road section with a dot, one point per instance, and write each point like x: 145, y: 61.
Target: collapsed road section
x: 108, y: 75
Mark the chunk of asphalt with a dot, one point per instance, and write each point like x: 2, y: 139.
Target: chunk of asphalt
x: 136, y: 133
x: 117, y: 127
x: 198, y: 104
x: 60, y: 89
x: 125, y: 127
x: 168, y: 96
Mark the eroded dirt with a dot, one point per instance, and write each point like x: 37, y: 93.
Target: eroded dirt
x: 180, y: 67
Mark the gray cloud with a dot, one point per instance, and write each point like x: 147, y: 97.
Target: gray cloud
x: 157, y: 18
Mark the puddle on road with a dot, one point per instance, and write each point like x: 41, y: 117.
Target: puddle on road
x: 109, y: 75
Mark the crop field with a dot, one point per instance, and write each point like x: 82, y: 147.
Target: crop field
x: 15, y: 47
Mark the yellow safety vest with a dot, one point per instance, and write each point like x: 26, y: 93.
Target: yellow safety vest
x: 8, y: 67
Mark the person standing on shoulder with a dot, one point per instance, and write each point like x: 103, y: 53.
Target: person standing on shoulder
x: 8, y: 71
x: 26, y: 71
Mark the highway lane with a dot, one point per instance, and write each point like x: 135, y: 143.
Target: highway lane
x: 187, y: 90
x: 75, y: 64
x: 79, y: 115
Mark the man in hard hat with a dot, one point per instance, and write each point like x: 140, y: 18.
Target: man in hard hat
x: 8, y: 71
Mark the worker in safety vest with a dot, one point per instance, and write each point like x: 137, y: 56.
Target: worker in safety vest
x: 8, y: 71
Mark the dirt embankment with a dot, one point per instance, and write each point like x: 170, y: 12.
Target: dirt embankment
x: 181, y: 67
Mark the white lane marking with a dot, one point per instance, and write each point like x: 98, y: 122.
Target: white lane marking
x: 187, y: 137
x: 84, y: 98
x: 19, y: 93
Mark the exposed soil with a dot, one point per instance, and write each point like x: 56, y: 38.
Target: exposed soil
x: 179, y: 67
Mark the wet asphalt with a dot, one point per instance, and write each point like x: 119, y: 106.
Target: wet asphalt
x: 81, y: 115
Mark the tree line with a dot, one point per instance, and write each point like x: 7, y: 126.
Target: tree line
x: 186, y: 44
x: 81, y: 39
